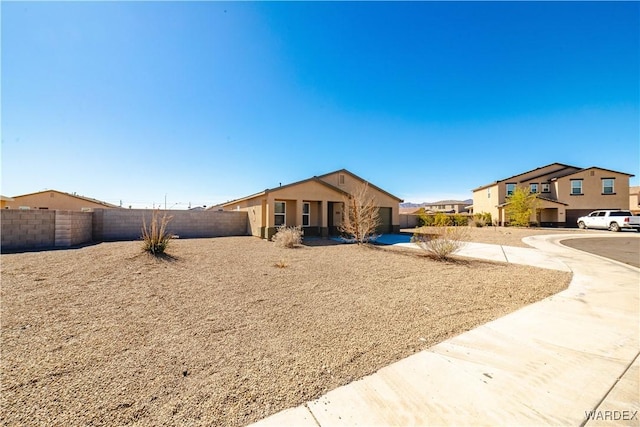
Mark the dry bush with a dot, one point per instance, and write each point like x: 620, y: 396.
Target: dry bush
x: 281, y: 264
x: 288, y: 237
x: 360, y: 216
x: 155, y: 237
x: 478, y: 221
x: 443, y: 243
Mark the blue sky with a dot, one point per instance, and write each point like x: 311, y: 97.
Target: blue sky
x: 203, y: 102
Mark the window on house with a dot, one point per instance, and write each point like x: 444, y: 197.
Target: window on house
x: 545, y: 187
x: 576, y: 186
x: 341, y: 179
x: 510, y: 189
x: 281, y: 213
x: 488, y: 193
x: 533, y: 188
x: 306, y: 214
x: 608, y: 186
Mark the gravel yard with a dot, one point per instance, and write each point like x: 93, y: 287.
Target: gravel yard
x: 218, y: 334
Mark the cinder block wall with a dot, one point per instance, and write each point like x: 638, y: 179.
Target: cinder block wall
x: 126, y: 224
x: 31, y: 229
x: 26, y: 229
x: 73, y: 228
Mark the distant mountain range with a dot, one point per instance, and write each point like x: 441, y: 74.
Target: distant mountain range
x: 440, y: 202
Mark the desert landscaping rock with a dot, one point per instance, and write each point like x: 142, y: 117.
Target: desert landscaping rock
x: 215, y: 334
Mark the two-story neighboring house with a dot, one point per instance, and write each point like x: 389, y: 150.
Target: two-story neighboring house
x: 447, y: 206
x: 565, y: 193
x: 634, y: 200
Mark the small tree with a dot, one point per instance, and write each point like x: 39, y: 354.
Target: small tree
x: 360, y: 216
x: 521, y: 204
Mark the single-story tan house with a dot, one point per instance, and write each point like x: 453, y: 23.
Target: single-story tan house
x: 5, y: 202
x: 54, y: 199
x: 315, y: 204
x: 565, y: 193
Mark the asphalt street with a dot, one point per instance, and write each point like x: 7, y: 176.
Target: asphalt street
x: 622, y: 248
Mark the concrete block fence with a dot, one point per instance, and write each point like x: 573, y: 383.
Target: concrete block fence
x: 126, y: 224
x: 27, y: 229
x: 34, y: 229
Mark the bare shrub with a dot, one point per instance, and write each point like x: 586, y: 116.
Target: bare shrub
x: 281, y: 264
x: 360, y: 216
x: 478, y: 220
x: 288, y: 237
x: 155, y: 237
x: 443, y: 243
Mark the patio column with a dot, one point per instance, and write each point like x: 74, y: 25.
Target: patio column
x: 269, y: 220
x: 298, y: 213
x: 323, y: 216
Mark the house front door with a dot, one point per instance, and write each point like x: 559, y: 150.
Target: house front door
x: 334, y: 217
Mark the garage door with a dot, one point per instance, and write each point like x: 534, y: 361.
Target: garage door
x: 573, y: 215
x: 385, y: 220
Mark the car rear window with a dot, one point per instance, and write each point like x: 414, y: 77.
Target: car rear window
x: 620, y: 213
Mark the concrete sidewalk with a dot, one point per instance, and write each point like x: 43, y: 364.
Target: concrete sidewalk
x: 554, y: 362
x: 511, y: 254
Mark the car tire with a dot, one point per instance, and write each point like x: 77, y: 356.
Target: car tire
x: 582, y: 225
x: 614, y: 227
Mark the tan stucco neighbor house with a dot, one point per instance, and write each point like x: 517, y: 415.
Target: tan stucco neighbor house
x: 5, y: 202
x: 54, y: 199
x: 315, y: 204
x: 565, y: 193
x: 634, y: 200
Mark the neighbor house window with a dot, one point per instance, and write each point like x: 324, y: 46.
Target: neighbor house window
x: 576, y: 186
x: 281, y: 213
x: 608, y: 186
x: 510, y: 189
x: 545, y: 187
x: 533, y: 188
x: 306, y: 214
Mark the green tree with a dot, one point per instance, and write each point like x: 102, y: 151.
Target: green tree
x: 521, y: 204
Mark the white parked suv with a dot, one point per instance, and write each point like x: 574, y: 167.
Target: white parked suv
x: 610, y: 220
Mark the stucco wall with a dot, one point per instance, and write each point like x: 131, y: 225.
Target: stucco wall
x: 486, y: 200
x: 634, y: 199
x: 350, y: 184
x: 592, y: 197
x: 408, y: 221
